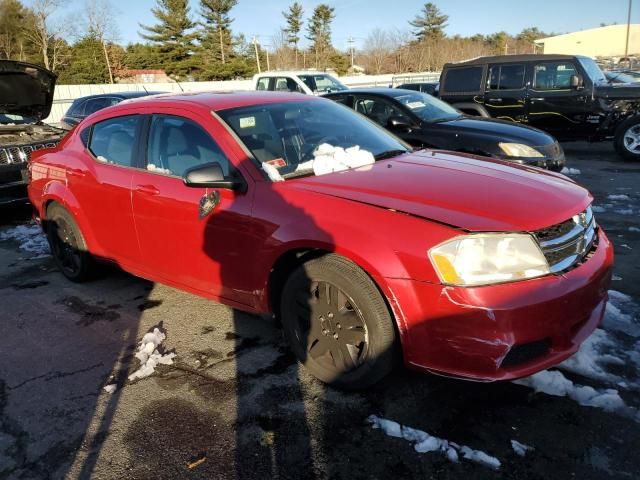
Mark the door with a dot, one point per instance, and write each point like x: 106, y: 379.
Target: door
x: 103, y: 185
x: 505, y: 92
x: 179, y: 242
x: 554, y: 106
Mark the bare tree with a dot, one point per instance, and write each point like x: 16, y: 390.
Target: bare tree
x: 46, y: 35
x: 377, y: 50
x: 100, y: 20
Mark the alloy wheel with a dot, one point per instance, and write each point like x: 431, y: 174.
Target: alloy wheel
x: 631, y: 139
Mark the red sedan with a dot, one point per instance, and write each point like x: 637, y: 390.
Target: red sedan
x: 299, y: 207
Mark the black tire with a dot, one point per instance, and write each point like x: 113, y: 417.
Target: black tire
x: 316, y: 298
x: 627, y: 139
x: 67, y: 245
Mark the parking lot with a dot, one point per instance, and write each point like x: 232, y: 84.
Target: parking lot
x: 234, y: 404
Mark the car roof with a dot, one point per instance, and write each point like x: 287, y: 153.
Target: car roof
x: 530, y: 57
x: 122, y: 95
x: 381, y: 91
x: 212, y: 101
x: 276, y: 73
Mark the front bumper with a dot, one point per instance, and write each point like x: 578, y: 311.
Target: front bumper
x: 502, y: 332
x: 13, y: 184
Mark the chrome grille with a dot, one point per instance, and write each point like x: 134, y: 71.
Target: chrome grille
x: 568, y: 243
x: 22, y: 154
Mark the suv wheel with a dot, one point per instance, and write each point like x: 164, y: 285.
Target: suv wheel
x: 627, y: 140
x: 338, y: 324
x: 67, y: 244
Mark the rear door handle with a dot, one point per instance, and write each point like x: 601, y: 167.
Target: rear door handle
x: 147, y: 190
x: 75, y: 172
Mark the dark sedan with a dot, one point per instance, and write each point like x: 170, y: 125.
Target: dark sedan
x: 426, y: 122
x: 82, y: 107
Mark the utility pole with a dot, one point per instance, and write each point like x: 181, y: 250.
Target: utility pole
x: 266, y: 52
x: 255, y: 47
x: 351, y: 42
x: 626, y: 46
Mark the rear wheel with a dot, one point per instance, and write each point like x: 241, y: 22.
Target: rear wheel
x: 627, y: 139
x: 338, y: 324
x: 67, y: 245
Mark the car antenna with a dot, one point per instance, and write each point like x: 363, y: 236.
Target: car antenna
x: 145, y: 89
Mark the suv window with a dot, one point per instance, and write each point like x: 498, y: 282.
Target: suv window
x: 177, y: 144
x: 113, y: 140
x: 263, y: 83
x: 465, y: 79
x: 553, y: 75
x: 506, y: 77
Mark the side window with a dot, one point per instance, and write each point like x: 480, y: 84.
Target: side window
x: 77, y: 110
x: 464, y: 79
x: 309, y: 82
x: 96, y: 104
x: 553, y: 75
x: 506, y: 77
x: 286, y: 84
x: 177, y: 144
x: 263, y: 83
x: 378, y: 110
x: 113, y: 140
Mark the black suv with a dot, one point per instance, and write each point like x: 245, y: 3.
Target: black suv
x: 567, y: 96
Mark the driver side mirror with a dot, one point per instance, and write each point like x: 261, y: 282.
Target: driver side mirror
x: 576, y: 82
x: 400, y: 122
x: 210, y: 175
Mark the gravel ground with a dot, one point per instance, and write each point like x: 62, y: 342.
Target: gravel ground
x: 235, y: 405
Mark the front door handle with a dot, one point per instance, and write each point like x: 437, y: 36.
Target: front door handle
x: 147, y: 190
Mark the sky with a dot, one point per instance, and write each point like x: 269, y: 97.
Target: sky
x: 356, y: 18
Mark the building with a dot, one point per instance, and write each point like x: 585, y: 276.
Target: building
x: 142, y: 76
x: 606, y: 41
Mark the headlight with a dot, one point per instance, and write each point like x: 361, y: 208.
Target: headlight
x: 519, y: 150
x: 483, y: 259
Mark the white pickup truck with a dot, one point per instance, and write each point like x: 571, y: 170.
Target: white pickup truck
x: 309, y: 83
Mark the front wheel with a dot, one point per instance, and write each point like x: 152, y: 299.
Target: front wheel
x: 338, y: 324
x: 627, y: 139
x: 67, y: 245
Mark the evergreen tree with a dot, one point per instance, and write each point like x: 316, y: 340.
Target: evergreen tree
x: 87, y: 63
x: 142, y: 56
x: 319, y: 33
x: 173, y: 36
x: 430, y: 23
x: 294, y: 25
x: 14, y: 43
x: 216, y: 35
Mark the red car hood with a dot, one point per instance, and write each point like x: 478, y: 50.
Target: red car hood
x: 460, y: 190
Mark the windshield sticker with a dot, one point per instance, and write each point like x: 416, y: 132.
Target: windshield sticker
x: 247, y: 122
x: 277, y: 162
x: 414, y: 105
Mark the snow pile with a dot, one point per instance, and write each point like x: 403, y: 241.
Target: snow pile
x: 110, y: 388
x: 570, y: 171
x: 328, y: 158
x: 153, y: 168
x: 272, y: 172
x: 149, y: 356
x: 618, y: 197
x: 423, y: 442
x: 31, y: 239
x: 624, y: 211
x: 598, y: 209
x: 619, y: 314
x: 592, y: 356
x: 520, y: 448
x: 555, y: 383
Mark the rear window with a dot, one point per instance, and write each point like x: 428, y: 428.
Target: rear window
x: 465, y: 79
x: 506, y: 77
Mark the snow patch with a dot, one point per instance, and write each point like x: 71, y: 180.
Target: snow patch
x: 618, y: 197
x: 149, y: 356
x: 570, y: 171
x: 634, y: 229
x: 328, y: 158
x: 598, y: 209
x: 272, y: 172
x: 624, y: 211
x: 110, y: 388
x: 619, y: 314
x: 153, y: 168
x: 520, y: 448
x: 423, y: 442
x: 555, y: 383
x: 30, y: 237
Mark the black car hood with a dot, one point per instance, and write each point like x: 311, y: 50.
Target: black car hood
x: 501, y: 130
x: 26, y: 89
x: 620, y: 91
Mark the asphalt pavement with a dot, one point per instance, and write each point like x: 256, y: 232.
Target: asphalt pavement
x: 234, y: 404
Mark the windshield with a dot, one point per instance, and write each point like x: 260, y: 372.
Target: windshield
x: 291, y: 139
x: 593, y: 70
x: 322, y: 83
x: 428, y: 108
x: 10, y: 118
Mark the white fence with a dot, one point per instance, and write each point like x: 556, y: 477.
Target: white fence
x: 64, y: 95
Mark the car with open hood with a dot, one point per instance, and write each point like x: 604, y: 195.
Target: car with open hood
x: 26, y: 95
x: 367, y: 251
x: 424, y: 121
